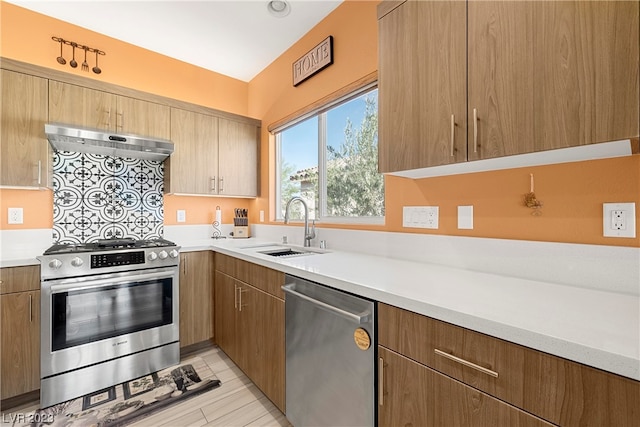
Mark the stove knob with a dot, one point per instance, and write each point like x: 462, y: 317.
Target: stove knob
x: 163, y: 255
x: 173, y: 253
x: 152, y: 256
x: 55, y: 264
x: 77, y: 262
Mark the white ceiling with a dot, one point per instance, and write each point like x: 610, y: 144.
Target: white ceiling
x: 237, y: 38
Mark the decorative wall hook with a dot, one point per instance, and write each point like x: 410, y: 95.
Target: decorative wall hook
x: 531, y: 201
x: 85, y: 66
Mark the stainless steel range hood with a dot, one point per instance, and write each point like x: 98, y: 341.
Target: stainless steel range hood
x: 84, y: 140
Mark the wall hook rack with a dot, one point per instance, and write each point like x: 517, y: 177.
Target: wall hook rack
x: 81, y: 47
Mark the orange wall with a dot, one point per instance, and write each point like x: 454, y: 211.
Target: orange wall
x: 572, y: 193
x: 26, y: 36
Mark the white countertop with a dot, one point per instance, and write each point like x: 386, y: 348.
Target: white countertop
x: 594, y: 327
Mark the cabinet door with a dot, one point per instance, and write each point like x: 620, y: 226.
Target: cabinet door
x: 142, y: 118
x: 81, y: 106
x: 238, y: 164
x: 195, y: 297
x: 23, y: 145
x: 225, y: 303
x: 193, y: 166
x: 20, y: 343
x: 413, y: 394
x: 586, y: 72
x: 261, y: 333
x: 422, y: 72
x: 501, y: 82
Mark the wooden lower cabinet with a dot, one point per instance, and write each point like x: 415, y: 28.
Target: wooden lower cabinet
x: 19, y: 330
x: 249, y: 328
x: 415, y: 395
x: 196, y: 297
x: 552, y: 388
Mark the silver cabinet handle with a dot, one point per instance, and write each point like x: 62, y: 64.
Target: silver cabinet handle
x: 359, y: 318
x: 475, y: 130
x: 235, y: 297
x: 240, y: 291
x: 30, y: 308
x: 453, y: 133
x: 380, y: 381
x: 39, y: 172
x: 466, y: 363
x: 213, y: 184
x: 221, y: 183
x: 121, y: 114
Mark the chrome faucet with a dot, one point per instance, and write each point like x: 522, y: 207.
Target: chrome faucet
x: 308, y: 235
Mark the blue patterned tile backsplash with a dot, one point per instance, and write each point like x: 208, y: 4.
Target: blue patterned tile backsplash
x: 101, y: 197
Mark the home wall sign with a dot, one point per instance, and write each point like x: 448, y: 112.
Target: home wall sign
x: 313, y: 61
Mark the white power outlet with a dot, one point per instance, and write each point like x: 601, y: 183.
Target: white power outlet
x: 182, y: 215
x: 619, y: 220
x: 420, y: 216
x: 16, y: 216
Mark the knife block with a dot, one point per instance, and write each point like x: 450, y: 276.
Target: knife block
x: 241, y: 232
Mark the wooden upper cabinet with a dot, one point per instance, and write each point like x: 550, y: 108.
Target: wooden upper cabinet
x: 586, y: 68
x: 421, y: 82
x: 530, y: 76
x: 142, y: 118
x: 238, y: 154
x: 193, y: 166
x: 23, y: 146
x: 501, y: 79
x: 213, y: 156
x: 81, y: 106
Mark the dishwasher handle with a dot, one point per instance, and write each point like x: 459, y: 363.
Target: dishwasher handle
x: 360, y: 318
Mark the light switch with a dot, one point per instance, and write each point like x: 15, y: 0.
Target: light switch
x: 465, y: 217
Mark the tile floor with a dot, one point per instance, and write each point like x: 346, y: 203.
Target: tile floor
x: 237, y: 402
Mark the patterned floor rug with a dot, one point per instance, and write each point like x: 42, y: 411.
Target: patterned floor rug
x: 131, y: 401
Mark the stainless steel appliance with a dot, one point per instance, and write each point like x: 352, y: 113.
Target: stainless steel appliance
x: 330, y: 356
x: 86, y: 140
x: 109, y: 314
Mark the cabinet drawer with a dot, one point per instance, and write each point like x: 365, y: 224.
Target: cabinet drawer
x: 263, y: 278
x: 416, y: 395
x: 553, y: 388
x: 19, y: 279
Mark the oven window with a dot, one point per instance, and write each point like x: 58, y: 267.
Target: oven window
x: 89, y: 315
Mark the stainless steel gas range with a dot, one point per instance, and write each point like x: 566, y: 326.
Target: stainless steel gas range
x: 109, y: 314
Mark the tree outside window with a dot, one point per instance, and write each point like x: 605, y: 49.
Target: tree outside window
x: 345, y: 139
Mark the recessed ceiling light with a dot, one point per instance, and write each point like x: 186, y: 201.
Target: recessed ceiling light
x: 278, y: 8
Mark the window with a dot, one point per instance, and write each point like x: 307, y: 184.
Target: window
x: 330, y: 159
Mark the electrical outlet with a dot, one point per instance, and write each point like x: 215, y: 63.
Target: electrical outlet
x: 15, y: 216
x: 619, y: 219
x: 261, y: 216
x: 420, y: 216
x: 182, y: 215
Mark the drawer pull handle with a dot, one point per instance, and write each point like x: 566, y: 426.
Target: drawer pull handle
x: 380, y: 381
x: 453, y: 134
x: 466, y: 363
x: 475, y: 130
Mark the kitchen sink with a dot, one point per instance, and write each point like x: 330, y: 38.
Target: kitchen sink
x: 287, y: 252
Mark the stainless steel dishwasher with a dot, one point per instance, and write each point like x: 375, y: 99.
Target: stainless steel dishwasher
x: 331, y: 353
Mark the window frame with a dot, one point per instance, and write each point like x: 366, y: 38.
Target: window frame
x: 321, y: 112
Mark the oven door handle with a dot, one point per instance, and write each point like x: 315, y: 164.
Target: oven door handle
x: 77, y: 285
